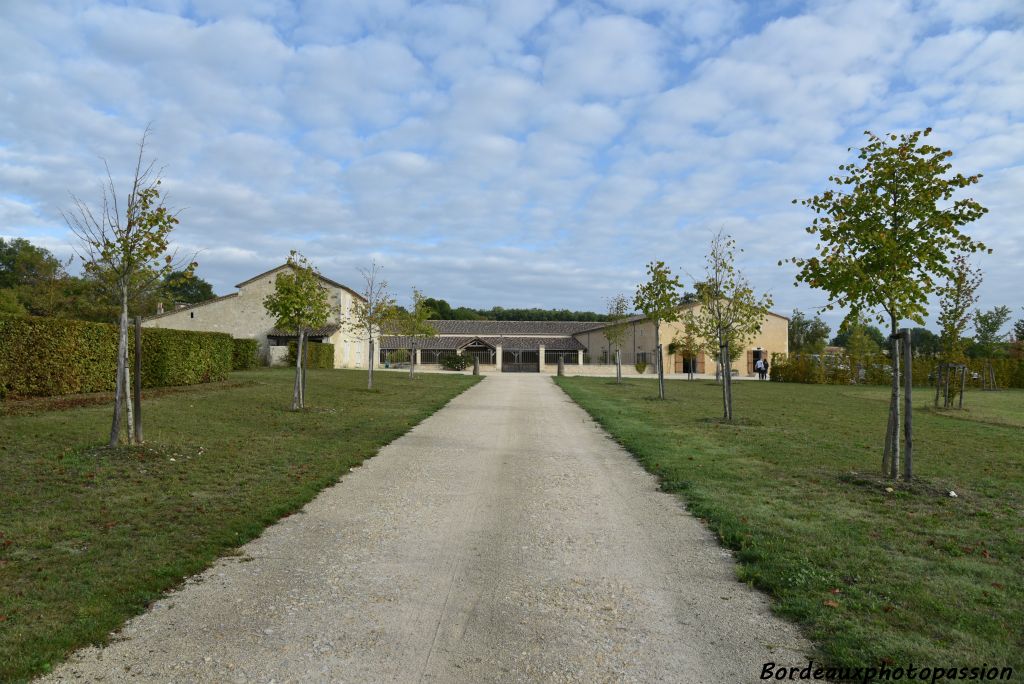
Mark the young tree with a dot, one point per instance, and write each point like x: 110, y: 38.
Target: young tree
x: 807, y: 335
x: 299, y: 303
x: 658, y: 298
x: 862, y: 342
x: 729, y: 313
x: 126, y: 246
x: 886, y: 232
x: 413, y: 324
x: 1018, y: 330
x: 372, y: 311
x: 618, y: 311
x: 956, y: 298
x: 689, y: 346
x: 987, y: 340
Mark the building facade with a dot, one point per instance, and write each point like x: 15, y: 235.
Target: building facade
x: 241, y: 314
x: 583, y: 347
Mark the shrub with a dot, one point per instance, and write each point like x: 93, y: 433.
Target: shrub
x: 640, y: 366
x: 244, y: 355
x: 318, y: 354
x: 455, y: 362
x: 43, y: 357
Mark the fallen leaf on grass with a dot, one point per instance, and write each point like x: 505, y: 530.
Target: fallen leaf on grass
x: 836, y: 590
x: 831, y: 604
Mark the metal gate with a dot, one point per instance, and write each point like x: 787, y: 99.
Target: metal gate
x: 517, y: 361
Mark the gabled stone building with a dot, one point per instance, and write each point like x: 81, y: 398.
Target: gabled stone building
x: 241, y: 314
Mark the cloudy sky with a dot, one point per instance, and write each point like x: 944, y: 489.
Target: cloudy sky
x: 516, y: 152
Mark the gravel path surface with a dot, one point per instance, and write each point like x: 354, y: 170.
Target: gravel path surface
x: 506, y: 538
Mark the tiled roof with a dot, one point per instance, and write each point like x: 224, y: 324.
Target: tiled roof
x: 325, y: 331
x: 452, y: 342
x: 499, y: 328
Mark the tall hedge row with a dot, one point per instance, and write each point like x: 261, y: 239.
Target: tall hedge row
x: 318, y: 354
x: 42, y: 357
x: 245, y: 355
x: 874, y: 370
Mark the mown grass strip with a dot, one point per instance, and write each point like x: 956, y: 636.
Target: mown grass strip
x: 874, y: 577
x: 90, y: 536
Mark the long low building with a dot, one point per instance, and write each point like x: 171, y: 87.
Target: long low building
x: 537, y: 346
x: 507, y: 346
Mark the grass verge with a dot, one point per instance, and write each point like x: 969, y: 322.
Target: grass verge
x: 874, y: 577
x: 90, y: 536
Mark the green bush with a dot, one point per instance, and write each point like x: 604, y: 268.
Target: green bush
x: 455, y: 362
x: 874, y: 369
x: 244, y: 355
x: 640, y: 366
x: 43, y: 357
x: 318, y: 354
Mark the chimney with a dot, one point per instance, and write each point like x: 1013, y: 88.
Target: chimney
x: 159, y: 308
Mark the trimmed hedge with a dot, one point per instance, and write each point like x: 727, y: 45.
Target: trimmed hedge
x: 874, y: 370
x: 245, y: 355
x: 318, y: 354
x: 43, y: 357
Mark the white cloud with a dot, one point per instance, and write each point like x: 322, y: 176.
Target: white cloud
x: 513, y: 152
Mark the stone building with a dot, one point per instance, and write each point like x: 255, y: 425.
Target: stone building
x: 536, y: 346
x: 241, y: 314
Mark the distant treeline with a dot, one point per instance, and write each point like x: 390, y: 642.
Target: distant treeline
x: 442, y: 310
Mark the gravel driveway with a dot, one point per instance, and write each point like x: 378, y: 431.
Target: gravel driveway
x: 506, y: 538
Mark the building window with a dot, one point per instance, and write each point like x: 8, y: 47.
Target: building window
x: 191, y: 314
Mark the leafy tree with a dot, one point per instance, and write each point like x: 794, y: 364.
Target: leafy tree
x: 861, y: 341
x: 1018, y: 330
x: 413, y: 323
x: 298, y: 303
x: 859, y: 325
x: 807, y: 335
x: 729, y: 313
x: 9, y: 303
x: 439, y: 309
x: 22, y: 263
x: 987, y: 325
x: 618, y: 311
x: 924, y: 342
x: 372, y: 311
x: 956, y: 298
x: 689, y: 346
x: 658, y: 299
x: 127, y: 248
x: 180, y: 286
x: 887, y: 231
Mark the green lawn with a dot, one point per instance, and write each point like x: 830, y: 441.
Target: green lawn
x: 89, y: 536
x: 912, y: 576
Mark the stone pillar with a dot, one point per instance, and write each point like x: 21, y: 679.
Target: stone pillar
x: 540, y: 358
x: 579, y: 356
x: 417, y: 356
x: 497, y: 358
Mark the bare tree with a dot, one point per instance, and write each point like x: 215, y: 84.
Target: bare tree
x: 373, y: 311
x: 126, y: 245
x: 618, y: 311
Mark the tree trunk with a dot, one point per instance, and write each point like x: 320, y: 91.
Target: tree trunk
x: 137, y: 394
x: 297, y: 390
x: 938, y: 382
x: 892, y: 436
x: 618, y: 366
x: 963, y: 385
x: 720, y: 368
x: 727, y: 366
x: 305, y: 367
x: 119, y: 388
x: 412, y: 362
x: 369, y: 368
x: 661, y: 370
x: 908, y: 404
x: 129, y: 419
